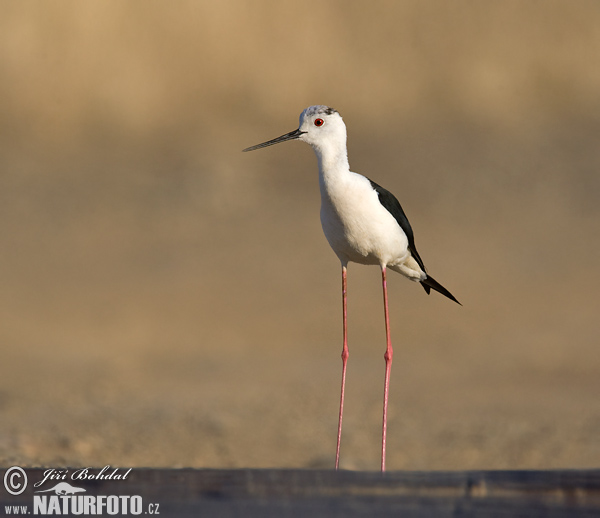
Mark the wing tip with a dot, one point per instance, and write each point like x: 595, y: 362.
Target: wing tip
x: 430, y: 283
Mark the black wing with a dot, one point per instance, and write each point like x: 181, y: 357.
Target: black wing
x: 392, y: 205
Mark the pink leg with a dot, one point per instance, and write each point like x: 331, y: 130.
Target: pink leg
x: 345, y: 355
x: 389, y: 353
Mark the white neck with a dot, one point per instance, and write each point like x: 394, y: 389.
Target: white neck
x: 333, y: 160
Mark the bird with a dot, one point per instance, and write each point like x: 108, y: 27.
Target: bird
x: 363, y: 223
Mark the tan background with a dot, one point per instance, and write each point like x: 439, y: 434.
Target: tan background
x: 166, y: 300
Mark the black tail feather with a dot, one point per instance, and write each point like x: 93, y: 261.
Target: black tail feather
x: 430, y: 283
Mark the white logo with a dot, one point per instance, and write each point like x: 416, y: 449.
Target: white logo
x: 15, y: 480
x: 65, y: 499
x: 62, y: 488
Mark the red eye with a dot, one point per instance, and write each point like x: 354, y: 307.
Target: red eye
x: 319, y: 122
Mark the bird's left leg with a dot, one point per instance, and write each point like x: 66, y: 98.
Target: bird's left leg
x: 389, y: 353
x: 345, y: 355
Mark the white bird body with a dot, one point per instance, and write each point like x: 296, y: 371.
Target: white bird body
x: 358, y: 228
x: 363, y: 223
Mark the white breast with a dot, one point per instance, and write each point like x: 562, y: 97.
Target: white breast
x: 356, y: 225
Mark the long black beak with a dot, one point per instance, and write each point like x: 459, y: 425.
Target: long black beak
x: 292, y: 135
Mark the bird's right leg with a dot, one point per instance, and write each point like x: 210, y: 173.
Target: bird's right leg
x: 345, y: 355
x: 389, y: 353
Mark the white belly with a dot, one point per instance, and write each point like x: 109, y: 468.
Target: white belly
x: 358, y: 227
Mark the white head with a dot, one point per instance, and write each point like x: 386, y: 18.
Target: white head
x: 320, y: 126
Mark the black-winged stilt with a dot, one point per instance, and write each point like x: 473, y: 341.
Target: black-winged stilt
x: 363, y: 223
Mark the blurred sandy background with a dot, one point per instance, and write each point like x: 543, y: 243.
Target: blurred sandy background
x: 167, y: 300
